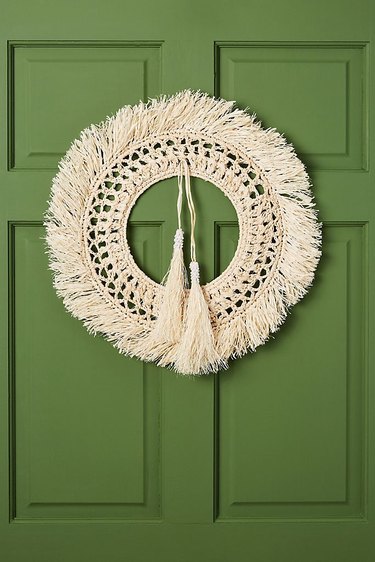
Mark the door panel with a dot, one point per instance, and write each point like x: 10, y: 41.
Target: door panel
x: 103, y: 457
x: 43, y: 121
x: 80, y: 447
x: 304, y: 432
x: 320, y: 91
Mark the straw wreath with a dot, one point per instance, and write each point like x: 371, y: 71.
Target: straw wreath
x: 192, y: 330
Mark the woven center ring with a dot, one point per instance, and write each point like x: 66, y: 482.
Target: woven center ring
x: 108, y: 211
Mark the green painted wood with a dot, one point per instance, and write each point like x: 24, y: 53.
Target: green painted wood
x: 75, y: 436
x: 105, y: 458
x: 306, y: 447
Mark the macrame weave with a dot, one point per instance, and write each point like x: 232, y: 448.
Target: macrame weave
x: 106, y: 170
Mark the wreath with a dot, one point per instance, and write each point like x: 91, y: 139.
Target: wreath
x: 193, y: 330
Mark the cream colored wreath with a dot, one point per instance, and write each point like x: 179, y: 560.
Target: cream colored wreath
x: 196, y: 330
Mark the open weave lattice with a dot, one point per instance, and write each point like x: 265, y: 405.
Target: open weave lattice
x: 113, y: 163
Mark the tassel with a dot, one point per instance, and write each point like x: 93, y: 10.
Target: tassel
x: 168, y: 325
x: 196, y: 353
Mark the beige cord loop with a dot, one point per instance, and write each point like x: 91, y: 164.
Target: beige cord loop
x: 180, y: 194
x: 179, y: 235
x: 190, y: 203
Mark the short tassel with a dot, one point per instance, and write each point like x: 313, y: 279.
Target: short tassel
x: 196, y: 353
x: 168, y: 325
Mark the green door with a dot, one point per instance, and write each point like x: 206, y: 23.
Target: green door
x: 104, y: 458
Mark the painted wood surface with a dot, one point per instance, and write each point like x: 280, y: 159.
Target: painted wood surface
x: 112, y: 459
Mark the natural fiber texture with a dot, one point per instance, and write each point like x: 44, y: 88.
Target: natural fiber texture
x: 113, y: 163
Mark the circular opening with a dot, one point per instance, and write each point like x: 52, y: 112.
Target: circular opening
x: 153, y: 222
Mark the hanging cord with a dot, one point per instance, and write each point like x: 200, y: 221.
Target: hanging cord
x: 196, y: 352
x: 180, y: 194
x: 167, y: 329
x: 179, y: 235
x: 194, y: 265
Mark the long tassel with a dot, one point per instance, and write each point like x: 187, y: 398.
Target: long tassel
x: 196, y: 353
x: 168, y: 325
